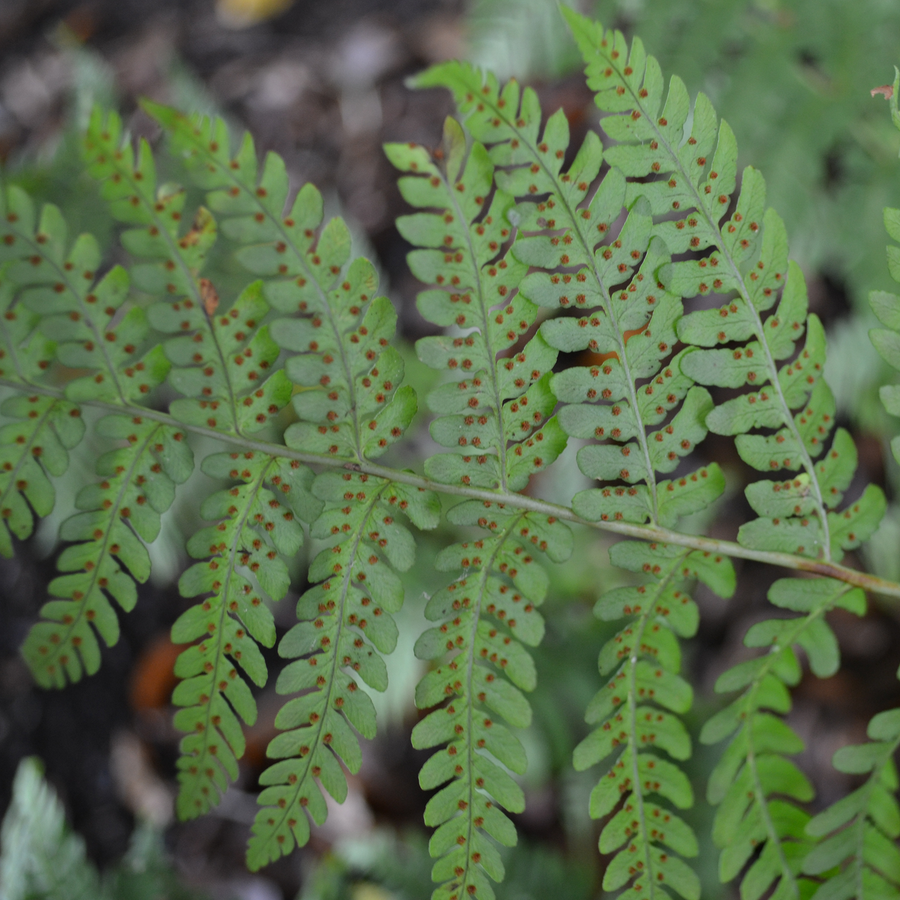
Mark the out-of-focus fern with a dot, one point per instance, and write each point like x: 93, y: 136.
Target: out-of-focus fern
x: 41, y: 859
x: 529, y: 249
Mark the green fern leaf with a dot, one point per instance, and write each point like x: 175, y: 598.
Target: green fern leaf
x: 258, y: 525
x: 32, y: 447
x: 486, y: 616
x: 626, y: 319
x: 119, y: 514
x: 220, y: 361
x: 495, y: 417
x: 633, y: 713
x: 50, y: 286
x: 753, y: 775
x: 58, y: 285
x: 345, y: 623
x: 859, y: 831
x: 495, y: 401
x: 744, y: 259
x: 351, y: 404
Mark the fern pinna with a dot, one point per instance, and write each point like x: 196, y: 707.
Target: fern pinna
x: 495, y: 414
x: 560, y: 276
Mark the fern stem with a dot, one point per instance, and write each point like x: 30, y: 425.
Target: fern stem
x: 877, y: 585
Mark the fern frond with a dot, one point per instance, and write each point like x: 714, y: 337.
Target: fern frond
x: 221, y: 365
x: 258, y: 525
x: 745, y: 256
x: 85, y: 316
x: 345, y: 619
x: 633, y: 713
x: 51, y: 294
x: 753, y: 777
x: 864, y: 825
x: 625, y: 399
x: 118, y: 515
x: 496, y: 419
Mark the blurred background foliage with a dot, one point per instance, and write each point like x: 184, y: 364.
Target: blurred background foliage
x: 322, y: 83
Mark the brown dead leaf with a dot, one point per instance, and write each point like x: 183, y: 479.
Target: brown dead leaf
x: 210, y: 296
x: 886, y: 90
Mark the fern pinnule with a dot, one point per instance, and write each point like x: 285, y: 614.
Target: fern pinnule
x: 636, y: 718
x: 753, y: 783
x: 860, y: 830
x: 744, y: 251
